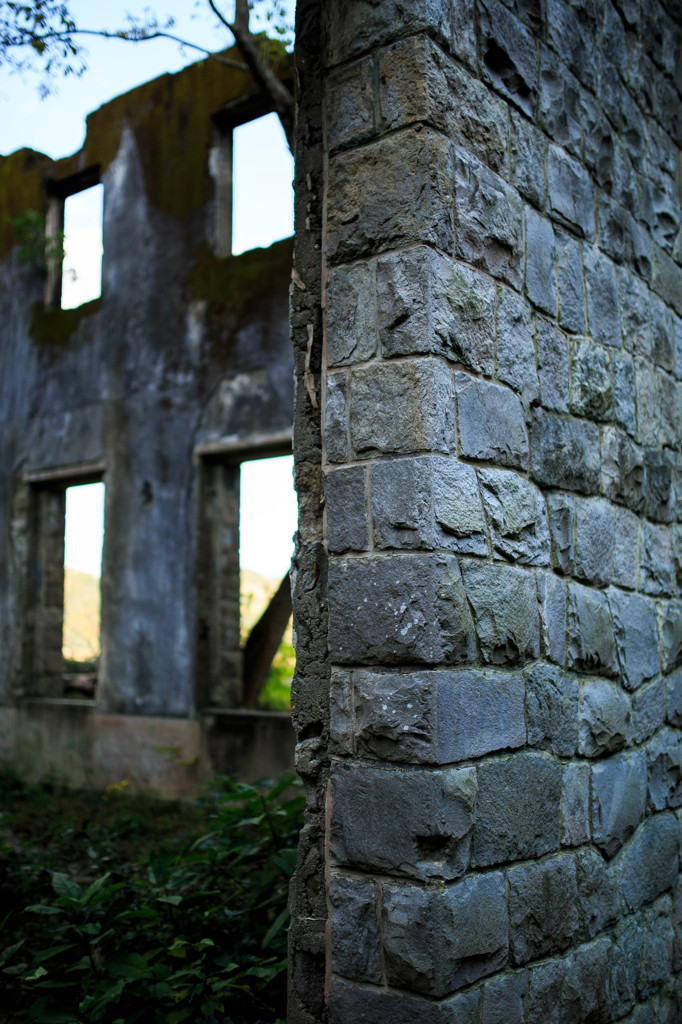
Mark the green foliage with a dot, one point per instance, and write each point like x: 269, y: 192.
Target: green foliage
x: 276, y: 694
x: 193, y: 930
x: 35, y: 249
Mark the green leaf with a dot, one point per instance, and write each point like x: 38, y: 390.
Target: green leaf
x: 64, y: 885
x: 275, y: 927
x: 41, y: 908
x: 39, y: 972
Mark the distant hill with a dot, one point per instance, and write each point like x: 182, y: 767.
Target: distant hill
x: 81, y: 616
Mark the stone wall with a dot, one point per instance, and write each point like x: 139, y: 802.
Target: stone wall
x: 494, y: 783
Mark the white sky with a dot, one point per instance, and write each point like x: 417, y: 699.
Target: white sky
x: 263, y: 171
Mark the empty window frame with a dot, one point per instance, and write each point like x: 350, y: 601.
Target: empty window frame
x: 249, y: 516
x: 62, y: 648
x: 253, y: 171
x: 74, y: 241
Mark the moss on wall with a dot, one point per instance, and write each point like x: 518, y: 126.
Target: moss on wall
x: 56, y: 326
x: 21, y: 188
x: 236, y: 280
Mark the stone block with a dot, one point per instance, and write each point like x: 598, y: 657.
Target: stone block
x: 575, y: 804
x: 350, y: 105
x: 354, y: 928
x: 503, y: 999
x: 346, y: 494
x: 439, y: 716
x: 509, y: 56
x: 546, y: 982
x: 635, y: 315
x: 634, y: 624
x: 598, y: 900
x: 559, y: 106
x: 397, y: 609
x: 661, y: 334
x: 622, y: 469
x: 402, y: 408
x: 565, y: 453
x: 625, y: 961
x: 351, y: 317
x: 667, y: 279
x: 570, y: 193
x: 561, y: 510
x: 591, y: 640
x: 543, y: 912
x: 552, y: 699
x: 529, y: 159
x: 428, y: 502
x: 648, y: 411
x: 674, y: 698
x: 664, y: 769
x: 604, y: 718
x: 648, y: 710
x: 619, y: 786
x: 591, y: 380
x: 436, y: 941
x: 364, y: 1003
x: 515, y: 346
x: 658, y: 479
x: 623, y: 408
x: 602, y: 298
x: 657, y: 947
x: 552, y: 608
x: 340, y: 712
x: 504, y: 603
x: 670, y: 626
x: 412, y: 823
x: 584, y: 993
x: 427, y: 303
x: 489, y: 217
x: 377, y: 198
x: 516, y: 513
x: 626, y: 554
x: 569, y: 270
x: 336, y: 437
x: 490, y: 422
x: 655, y: 567
x: 552, y: 367
x: 353, y: 31
x: 540, y: 259
x: 518, y: 808
x: 649, y: 863
x: 595, y: 540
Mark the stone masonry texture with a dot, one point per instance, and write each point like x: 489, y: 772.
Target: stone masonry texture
x: 487, y: 318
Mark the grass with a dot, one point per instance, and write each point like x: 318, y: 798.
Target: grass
x: 121, y: 909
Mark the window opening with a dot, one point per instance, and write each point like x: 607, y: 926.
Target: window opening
x: 83, y: 539
x: 248, y: 518
x: 82, y: 264
x: 268, y: 516
x: 262, y: 192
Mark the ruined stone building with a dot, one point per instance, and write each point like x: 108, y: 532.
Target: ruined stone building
x: 160, y: 388
x: 487, y: 321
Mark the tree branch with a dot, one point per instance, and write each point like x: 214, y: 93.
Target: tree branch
x: 129, y: 36
x: 278, y: 94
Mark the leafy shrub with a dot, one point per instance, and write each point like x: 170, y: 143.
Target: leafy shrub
x: 193, y: 931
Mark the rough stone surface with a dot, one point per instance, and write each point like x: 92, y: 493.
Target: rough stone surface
x: 355, y: 929
x: 516, y: 811
x: 591, y: 640
x: 618, y: 799
x: 543, y: 911
x: 374, y: 825
x: 515, y: 510
x: 604, y: 718
x: 634, y: 625
x: 471, y: 921
x: 565, y: 453
x: 490, y: 422
x: 504, y: 603
x: 438, y: 716
x: 552, y: 699
x: 575, y: 804
x: 649, y: 863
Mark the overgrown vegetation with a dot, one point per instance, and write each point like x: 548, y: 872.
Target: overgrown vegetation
x: 119, y: 909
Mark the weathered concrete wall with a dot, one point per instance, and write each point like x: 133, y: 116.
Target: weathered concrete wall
x: 494, y: 803
x: 182, y: 365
